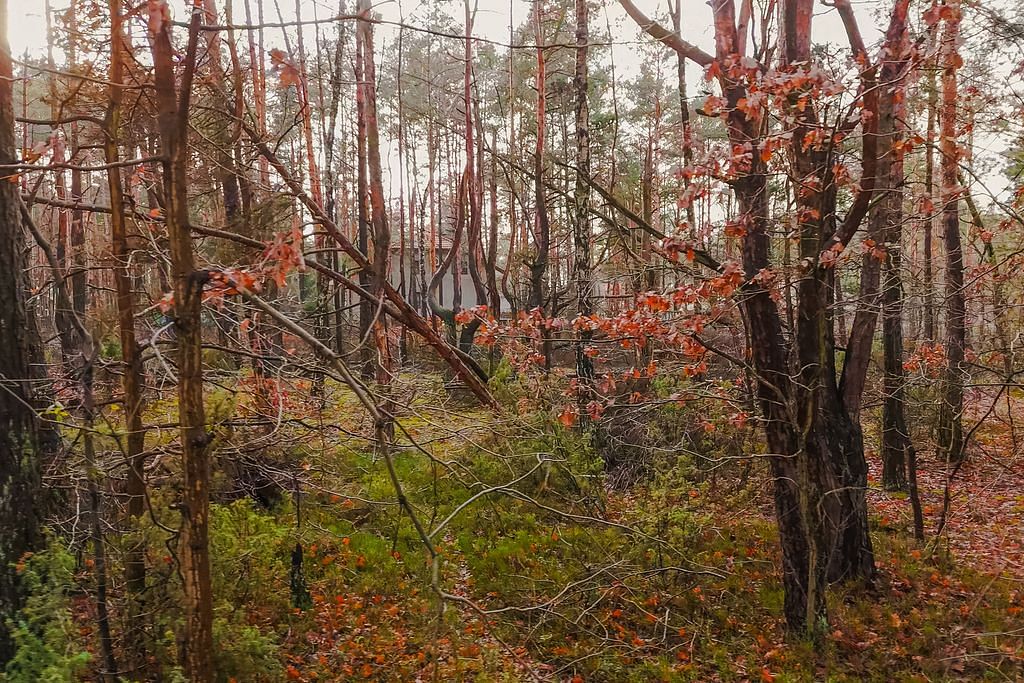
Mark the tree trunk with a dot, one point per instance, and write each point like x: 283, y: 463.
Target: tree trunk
x: 259, y: 82
x: 899, y: 461
x: 684, y: 113
x: 62, y: 318
x: 834, y: 447
x: 884, y: 213
x: 538, y: 298
x: 226, y: 174
x: 406, y: 285
x: 173, y: 110
x: 474, y: 233
x: 362, y: 211
x: 581, y: 219
x: 132, y: 380
x: 493, y: 293
x: 896, y: 442
x: 804, y: 421
x: 929, y: 188
x: 803, y: 541
x: 20, y: 443
x: 950, y: 437
x: 378, y: 211
x: 330, y: 186
x: 76, y: 238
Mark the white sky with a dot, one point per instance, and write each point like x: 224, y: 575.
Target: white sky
x: 28, y: 25
x: 28, y: 30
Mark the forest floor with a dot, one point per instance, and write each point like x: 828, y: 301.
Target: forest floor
x: 677, y: 577
x: 551, y: 575
x: 985, y: 524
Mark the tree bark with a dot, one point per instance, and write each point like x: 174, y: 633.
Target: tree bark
x: 378, y: 211
x: 581, y: 219
x: 950, y: 436
x: 474, y: 172
x: 929, y: 188
x: 885, y: 212
x: 132, y: 379
x: 172, y: 119
x: 362, y: 210
x: 895, y: 435
x: 823, y: 534
x: 21, y: 495
x: 684, y: 112
x: 538, y: 298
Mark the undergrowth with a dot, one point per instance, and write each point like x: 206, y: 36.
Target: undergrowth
x: 556, y: 576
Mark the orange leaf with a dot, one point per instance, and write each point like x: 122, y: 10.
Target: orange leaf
x: 568, y: 417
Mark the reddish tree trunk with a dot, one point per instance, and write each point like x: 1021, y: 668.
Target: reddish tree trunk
x: 132, y: 379
x: 173, y: 109
x: 951, y: 438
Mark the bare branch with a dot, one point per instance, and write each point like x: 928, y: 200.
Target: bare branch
x: 669, y: 38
